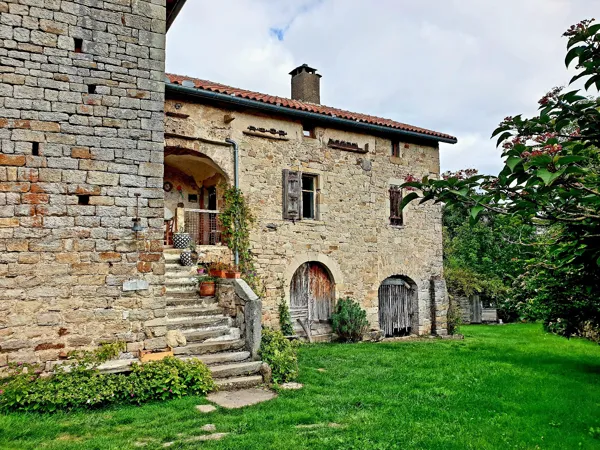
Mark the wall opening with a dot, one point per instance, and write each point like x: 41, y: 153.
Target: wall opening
x: 397, y: 306
x: 312, y: 297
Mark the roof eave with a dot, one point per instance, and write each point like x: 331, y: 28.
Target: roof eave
x: 305, y: 115
x: 173, y: 11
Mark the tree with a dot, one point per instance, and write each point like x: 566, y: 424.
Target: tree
x: 550, y: 180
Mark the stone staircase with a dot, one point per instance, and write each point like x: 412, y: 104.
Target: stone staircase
x: 210, y: 335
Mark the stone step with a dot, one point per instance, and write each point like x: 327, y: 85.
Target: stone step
x: 222, y: 358
x: 181, y: 274
x: 186, y: 323
x: 202, y: 335
x: 181, y: 281
x: 230, y: 384
x: 236, y: 369
x: 209, y: 347
x: 174, y: 289
x: 188, y: 299
x: 194, y: 311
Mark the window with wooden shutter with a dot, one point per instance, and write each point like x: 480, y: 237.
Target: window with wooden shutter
x: 292, y: 195
x: 395, y: 202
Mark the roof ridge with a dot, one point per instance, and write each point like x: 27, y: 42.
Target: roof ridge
x: 301, y: 105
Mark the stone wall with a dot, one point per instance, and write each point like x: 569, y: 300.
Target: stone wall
x: 352, y: 236
x: 81, y: 132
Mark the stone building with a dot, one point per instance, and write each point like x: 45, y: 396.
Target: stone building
x: 324, y: 186
x: 84, y: 153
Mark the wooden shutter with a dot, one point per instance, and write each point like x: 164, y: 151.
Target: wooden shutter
x: 395, y: 201
x: 292, y: 195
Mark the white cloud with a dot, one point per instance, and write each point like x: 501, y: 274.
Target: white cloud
x: 456, y: 66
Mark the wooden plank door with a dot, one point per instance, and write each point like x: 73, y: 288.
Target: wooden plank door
x: 312, y: 293
x: 396, y: 307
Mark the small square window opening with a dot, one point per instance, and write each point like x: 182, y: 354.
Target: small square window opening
x: 91, y: 88
x: 193, y: 198
x: 308, y: 131
x: 78, y: 45
x: 35, y: 149
x: 309, y: 196
x: 396, y: 149
x: 83, y: 199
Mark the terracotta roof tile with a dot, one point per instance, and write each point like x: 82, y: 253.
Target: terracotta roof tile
x: 304, y: 106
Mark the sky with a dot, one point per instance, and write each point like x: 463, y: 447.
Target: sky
x: 454, y: 66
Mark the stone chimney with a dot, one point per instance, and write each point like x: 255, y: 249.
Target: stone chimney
x: 306, y: 84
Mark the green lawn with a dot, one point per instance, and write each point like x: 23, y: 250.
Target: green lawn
x: 502, y: 387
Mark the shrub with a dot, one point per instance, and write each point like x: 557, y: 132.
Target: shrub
x: 453, y: 318
x: 280, y: 354
x: 285, y: 320
x: 78, y: 386
x: 349, y: 320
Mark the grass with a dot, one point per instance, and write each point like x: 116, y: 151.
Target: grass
x: 502, y: 387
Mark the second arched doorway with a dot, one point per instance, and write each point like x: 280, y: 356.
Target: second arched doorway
x: 312, y: 295
x: 397, y: 305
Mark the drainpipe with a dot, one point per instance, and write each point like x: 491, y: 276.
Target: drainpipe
x: 236, y: 184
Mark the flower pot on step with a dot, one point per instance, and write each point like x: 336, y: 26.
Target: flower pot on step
x: 181, y: 240
x: 217, y: 273
x: 207, y: 289
x: 233, y: 274
x: 186, y: 258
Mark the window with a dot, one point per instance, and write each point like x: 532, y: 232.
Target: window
x: 396, y: 149
x: 193, y: 198
x: 78, y: 43
x: 300, y: 195
x: 35, y: 148
x: 396, y: 218
x: 91, y: 88
x: 309, y: 197
x: 308, y: 131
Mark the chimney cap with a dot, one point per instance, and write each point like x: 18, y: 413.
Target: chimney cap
x: 304, y: 68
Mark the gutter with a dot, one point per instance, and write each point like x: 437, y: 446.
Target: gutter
x: 299, y: 114
x: 236, y: 184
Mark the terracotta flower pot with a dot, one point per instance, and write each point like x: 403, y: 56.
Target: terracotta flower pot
x: 233, y: 274
x: 216, y: 273
x: 207, y: 288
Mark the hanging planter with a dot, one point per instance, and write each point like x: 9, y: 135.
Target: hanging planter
x: 181, y: 240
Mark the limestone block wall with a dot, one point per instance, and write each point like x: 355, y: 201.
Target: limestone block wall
x: 352, y: 235
x: 81, y: 132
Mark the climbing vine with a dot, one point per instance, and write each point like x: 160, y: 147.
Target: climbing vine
x: 236, y: 220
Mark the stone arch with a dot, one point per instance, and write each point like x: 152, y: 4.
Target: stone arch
x: 398, y: 305
x: 330, y: 264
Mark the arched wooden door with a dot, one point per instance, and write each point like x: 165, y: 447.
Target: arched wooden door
x: 396, y: 304
x: 312, y: 293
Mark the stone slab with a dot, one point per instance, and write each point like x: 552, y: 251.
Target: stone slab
x: 241, y: 398
x: 205, y: 408
x: 291, y: 386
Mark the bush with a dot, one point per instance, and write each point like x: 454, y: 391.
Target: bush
x: 349, y: 320
x: 78, y: 386
x: 454, y: 317
x: 280, y: 354
x: 285, y: 320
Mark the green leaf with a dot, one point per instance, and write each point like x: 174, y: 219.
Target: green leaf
x: 475, y: 210
x: 545, y: 175
x: 503, y: 137
x: 572, y: 54
x: 569, y: 159
x: 512, y: 162
x: 407, y: 199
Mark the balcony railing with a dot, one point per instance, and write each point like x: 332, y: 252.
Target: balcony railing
x: 202, y: 225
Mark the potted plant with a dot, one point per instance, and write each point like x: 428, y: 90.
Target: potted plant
x: 206, y: 286
x: 181, y: 239
x: 218, y: 270
x: 202, y: 270
x: 233, y: 272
